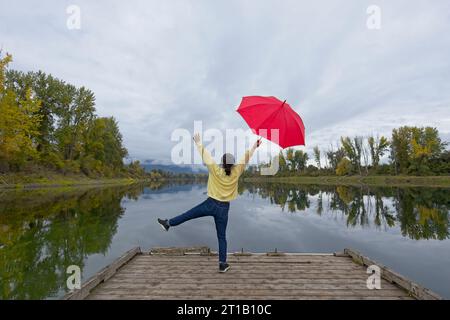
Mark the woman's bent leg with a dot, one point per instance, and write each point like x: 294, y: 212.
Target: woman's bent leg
x: 201, y: 210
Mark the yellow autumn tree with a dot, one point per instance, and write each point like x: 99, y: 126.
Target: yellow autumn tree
x: 18, y: 124
x: 344, y: 167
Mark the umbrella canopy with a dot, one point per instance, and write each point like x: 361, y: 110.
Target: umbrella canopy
x: 263, y: 114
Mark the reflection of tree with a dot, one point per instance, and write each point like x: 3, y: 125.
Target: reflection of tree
x: 285, y: 195
x: 319, y: 204
x: 383, y: 216
x: 43, y: 232
x: 421, y: 213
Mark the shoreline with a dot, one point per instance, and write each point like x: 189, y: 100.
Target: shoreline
x: 399, y: 181
x: 69, y: 183
x: 380, y: 181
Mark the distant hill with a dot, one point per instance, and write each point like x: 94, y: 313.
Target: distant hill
x: 150, y: 165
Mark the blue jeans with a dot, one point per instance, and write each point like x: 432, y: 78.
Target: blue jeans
x: 216, y: 209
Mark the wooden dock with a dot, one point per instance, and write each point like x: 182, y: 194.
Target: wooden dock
x: 192, y: 273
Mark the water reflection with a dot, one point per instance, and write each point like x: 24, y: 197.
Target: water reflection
x: 42, y: 232
x: 421, y: 213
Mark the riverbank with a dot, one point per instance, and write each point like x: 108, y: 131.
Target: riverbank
x: 32, y: 181
x: 54, y: 180
x: 400, y: 181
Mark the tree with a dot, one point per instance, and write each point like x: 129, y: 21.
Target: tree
x: 136, y: 169
x: 344, y: 167
x: 349, y: 149
x: 300, y: 160
x: 378, y: 147
x: 365, y: 155
x: 74, y: 117
x: 103, y: 148
x: 316, y: 151
x: 47, y: 90
x: 414, y: 148
x: 334, y: 157
x: 53, y: 123
x: 282, y: 162
x: 290, y: 158
x: 18, y: 124
x: 425, y: 146
x: 400, y: 149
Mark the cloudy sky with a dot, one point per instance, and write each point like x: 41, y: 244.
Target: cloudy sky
x: 160, y: 65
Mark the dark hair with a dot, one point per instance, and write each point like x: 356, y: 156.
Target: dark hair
x: 227, y: 163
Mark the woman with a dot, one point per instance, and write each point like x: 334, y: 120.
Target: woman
x: 222, y: 188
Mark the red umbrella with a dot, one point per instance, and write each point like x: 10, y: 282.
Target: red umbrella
x: 263, y: 114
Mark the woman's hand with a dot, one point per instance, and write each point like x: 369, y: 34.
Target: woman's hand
x: 257, y: 143
x: 196, y: 138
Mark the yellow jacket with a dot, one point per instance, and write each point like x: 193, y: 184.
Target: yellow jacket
x: 220, y: 186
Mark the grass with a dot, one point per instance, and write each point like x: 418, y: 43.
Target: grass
x: 49, y: 179
x: 428, y: 181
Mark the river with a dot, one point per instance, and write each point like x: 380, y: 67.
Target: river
x: 43, y: 231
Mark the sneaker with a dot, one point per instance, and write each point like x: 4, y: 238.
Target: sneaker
x: 164, y: 224
x: 223, y: 267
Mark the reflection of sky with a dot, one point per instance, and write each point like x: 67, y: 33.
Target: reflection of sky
x: 257, y: 226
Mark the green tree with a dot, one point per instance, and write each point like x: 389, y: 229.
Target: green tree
x: 290, y: 159
x: 353, y: 151
x: 103, y: 147
x: 413, y: 149
x: 300, y: 160
x: 282, y: 162
x: 18, y: 124
x: 344, y: 167
x: 334, y: 157
x: 378, y: 147
x: 75, y: 115
x: 47, y: 90
x: 316, y: 151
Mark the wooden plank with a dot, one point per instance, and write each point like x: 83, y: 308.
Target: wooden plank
x: 255, y: 273
x: 243, y: 265
x: 292, y: 284
x: 280, y: 260
x: 245, y: 297
x: 140, y: 260
x: 199, y: 280
x: 415, y: 290
x: 243, y: 260
x: 247, y: 264
x: 177, y: 251
x: 256, y: 257
x: 237, y: 269
x: 202, y: 250
x: 251, y: 292
x: 242, y: 276
x: 139, y: 286
x: 101, y: 276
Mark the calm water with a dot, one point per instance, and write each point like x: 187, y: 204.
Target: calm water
x: 44, y: 231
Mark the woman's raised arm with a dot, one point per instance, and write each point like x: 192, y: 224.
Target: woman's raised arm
x: 206, y: 156
x: 247, y: 156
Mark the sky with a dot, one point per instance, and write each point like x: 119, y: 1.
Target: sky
x: 161, y: 65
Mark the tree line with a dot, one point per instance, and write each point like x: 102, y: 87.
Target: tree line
x: 409, y: 151
x: 47, y: 124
